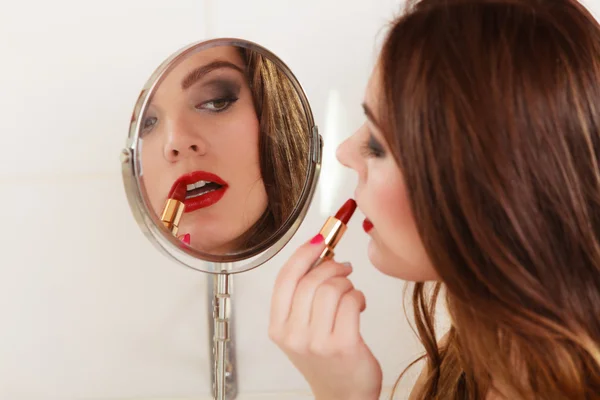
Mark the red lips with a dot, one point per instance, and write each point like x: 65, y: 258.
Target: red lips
x: 367, y: 225
x: 204, y: 200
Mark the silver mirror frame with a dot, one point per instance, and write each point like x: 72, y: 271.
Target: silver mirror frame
x: 150, y: 223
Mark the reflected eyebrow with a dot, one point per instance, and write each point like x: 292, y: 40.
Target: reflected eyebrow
x: 370, y: 115
x: 200, y: 72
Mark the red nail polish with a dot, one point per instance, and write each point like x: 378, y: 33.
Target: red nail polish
x: 186, y: 239
x: 317, y: 239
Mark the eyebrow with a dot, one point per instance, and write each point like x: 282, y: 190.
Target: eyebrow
x: 200, y: 72
x: 370, y: 115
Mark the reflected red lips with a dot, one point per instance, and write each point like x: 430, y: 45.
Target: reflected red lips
x: 203, y: 189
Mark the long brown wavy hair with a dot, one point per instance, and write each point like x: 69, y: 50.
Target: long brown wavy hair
x: 283, y: 144
x: 492, y: 111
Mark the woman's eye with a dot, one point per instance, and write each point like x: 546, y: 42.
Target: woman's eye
x: 372, y: 148
x: 217, y: 105
x: 149, y: 123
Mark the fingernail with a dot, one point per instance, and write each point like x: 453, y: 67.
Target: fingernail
x: 317, y: 239
x: 186, y: 239
x: 347, y: 264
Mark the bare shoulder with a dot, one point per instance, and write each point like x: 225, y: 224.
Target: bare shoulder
x: 420, y: 383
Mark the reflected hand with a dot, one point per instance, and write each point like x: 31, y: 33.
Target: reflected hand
x: 185, y: 238
x: 315, y: 319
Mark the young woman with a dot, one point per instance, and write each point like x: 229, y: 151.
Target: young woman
x: 230, y: 116
x: 479, y: 174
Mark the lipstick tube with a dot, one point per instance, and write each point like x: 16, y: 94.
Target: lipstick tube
x: 174, y: 207
x: 171, y: 215
x: 333, y: 230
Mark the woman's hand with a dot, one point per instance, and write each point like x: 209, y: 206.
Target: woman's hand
x: 315, y: 319
x: 185, y: 238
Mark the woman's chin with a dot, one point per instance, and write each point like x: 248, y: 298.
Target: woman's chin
x: 213, y: 246
x: 385, y: 262
x: 209, y: 248
x: 375, y: 256
x: 198, y: 239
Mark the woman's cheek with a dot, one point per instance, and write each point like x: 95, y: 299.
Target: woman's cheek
x: 381, y: 258
x: 396, y: 249
x: 389, y: 201
x: 155, y: 174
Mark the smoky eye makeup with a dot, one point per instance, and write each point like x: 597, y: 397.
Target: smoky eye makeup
x: 372, y: 147
x: 222, y: 87
x: 216, y: 95
x: 148, y: 122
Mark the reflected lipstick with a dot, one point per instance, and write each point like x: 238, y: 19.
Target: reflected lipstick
x: 333, y: 230
x: 174, y: 207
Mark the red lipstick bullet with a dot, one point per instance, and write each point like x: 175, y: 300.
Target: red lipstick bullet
x: 178, y: 192
x: 345, y: 212
x: 334, y: 229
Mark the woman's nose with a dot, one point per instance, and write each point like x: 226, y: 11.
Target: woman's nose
x: 184, y: 142
x: 344, y: 153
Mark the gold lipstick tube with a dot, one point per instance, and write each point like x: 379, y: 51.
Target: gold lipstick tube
x: 172, y: 213
x: 332, y: 232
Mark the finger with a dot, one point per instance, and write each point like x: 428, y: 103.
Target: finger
x: 185, y: 238
x: 302, y: 303
x: 287, y: 279
x: 325, y: 306
x: 347, y: 320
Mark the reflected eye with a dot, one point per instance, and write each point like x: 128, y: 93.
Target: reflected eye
x: 149, y: 123
x: 217, y: 105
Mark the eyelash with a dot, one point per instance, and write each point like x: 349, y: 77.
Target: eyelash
x: 146, y: 129
x: 230, y: 101
x: 371, y: 148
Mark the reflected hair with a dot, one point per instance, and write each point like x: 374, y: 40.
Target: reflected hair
x: 491, y: 109
x: 283, y: 144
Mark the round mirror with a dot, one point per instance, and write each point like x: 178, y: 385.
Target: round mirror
x: 222, y: 156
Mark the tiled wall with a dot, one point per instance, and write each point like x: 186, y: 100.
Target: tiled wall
x: 88, y: 308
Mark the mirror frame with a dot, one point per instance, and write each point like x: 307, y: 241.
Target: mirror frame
x: 150, y: 223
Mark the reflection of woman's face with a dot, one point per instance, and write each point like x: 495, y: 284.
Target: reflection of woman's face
x: 202, y: 127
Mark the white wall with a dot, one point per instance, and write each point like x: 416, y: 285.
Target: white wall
x: 88, y: 308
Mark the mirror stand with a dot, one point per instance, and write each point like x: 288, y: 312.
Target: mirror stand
x: 223, y: 350
x: 258, y: 77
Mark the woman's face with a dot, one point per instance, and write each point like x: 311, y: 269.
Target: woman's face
x: 395, y: 247
x: 201, y: 127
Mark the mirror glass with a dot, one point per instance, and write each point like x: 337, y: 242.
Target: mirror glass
x: 223, y: 154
